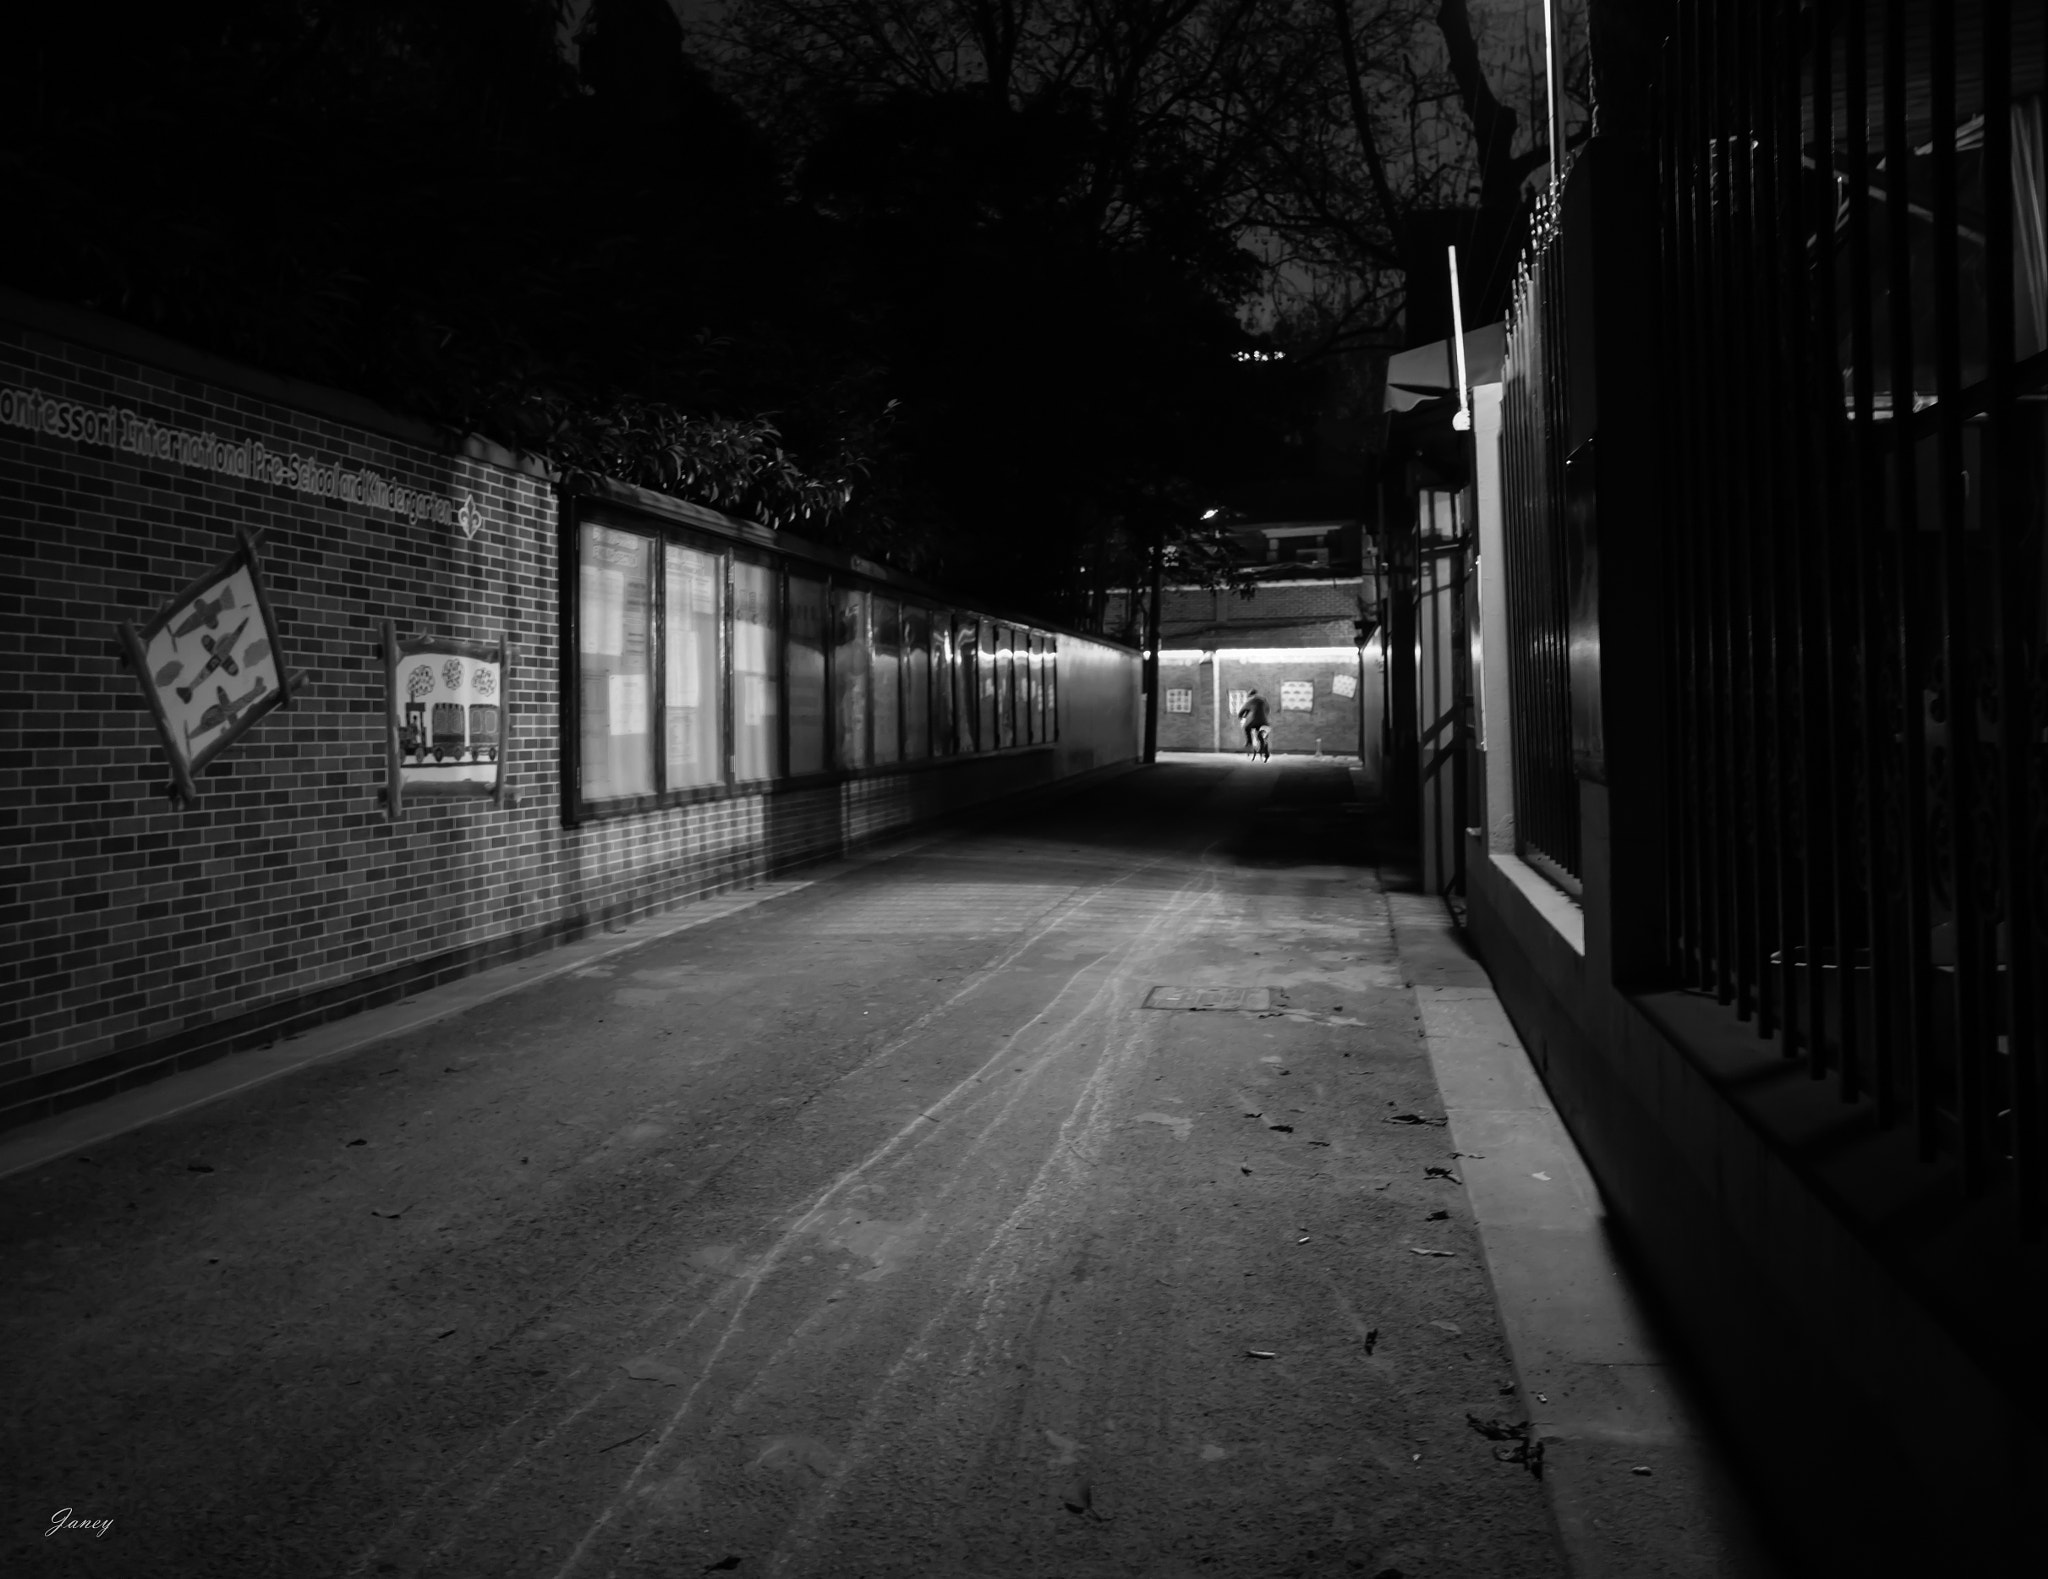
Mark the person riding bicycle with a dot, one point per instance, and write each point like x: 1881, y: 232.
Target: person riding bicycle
x: 1253, y: 716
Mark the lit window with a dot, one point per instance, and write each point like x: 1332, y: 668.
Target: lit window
x: 807, y: 719
x: 695, y: 626
x: 888, y: 689
x: 756, y: 662
x: 614, y: 630
x: 850, y: 674
x: 917, y: 682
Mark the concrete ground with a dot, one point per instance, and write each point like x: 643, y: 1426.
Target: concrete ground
x: 1122, y: 1188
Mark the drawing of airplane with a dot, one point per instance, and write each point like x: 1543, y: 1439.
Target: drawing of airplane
x: 207, y: 614
x: 224, y: 710
x: 222, y: 652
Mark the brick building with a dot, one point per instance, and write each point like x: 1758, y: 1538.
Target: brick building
x: 686, y: 702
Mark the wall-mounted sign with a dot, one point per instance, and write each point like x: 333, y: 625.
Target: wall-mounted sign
x: 250, y: 460
x: 210, y: 665
x: 447, y: 734
x: 1297, y: 696
x: 1344, y: 684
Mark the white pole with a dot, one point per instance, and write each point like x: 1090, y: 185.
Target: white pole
x: 1551, y: 95
x: 1463, y: 421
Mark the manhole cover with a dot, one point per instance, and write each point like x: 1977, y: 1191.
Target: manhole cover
x: 1208, y: 998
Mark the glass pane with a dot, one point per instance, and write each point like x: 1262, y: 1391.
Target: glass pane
x: 756, y: 721
x: 942, y: 684
x: 850, y: 675
x: 1027, y: 686
x: 888, y: 682
x: 917, y: 682
x: 616, y: 605
x: 985, y: 666
x: 1052, y: 687
x: 694, y: 679
x: 1006, y: 685
x: 806, y: 675
x: 967, y: 685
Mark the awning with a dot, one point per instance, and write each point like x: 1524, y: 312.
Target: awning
x: 1426, y: 373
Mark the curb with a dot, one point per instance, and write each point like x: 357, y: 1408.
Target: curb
x: 1637, y: 1480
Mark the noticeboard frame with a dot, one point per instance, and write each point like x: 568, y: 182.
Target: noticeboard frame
x: 201, y: 601
x: 404, y: 781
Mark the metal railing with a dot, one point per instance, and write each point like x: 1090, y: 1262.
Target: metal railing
x: 1533, y: 404
x: 1854, y: 289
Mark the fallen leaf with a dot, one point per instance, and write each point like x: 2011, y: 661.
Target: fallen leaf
x: 1449, y: 1326
x: 1437, y: 1217
x: 1262, y: 1354
x: 1441, y: 1173
x: 389, y: 1211
x: 199, y: 1167
x: 1543, y: 1176
x: 1302, y: 1240
x: 1372, y: 1338
x: 1319, y: 1143
x: 1499, y: 1430
x: 1413, y: 1118
x: 1285, y: 1129
x: 724, y: 1564
x: 1416, y: 1251
x: 653, y: 1371
x: 358, y: 1142
x: 1640, y: 1469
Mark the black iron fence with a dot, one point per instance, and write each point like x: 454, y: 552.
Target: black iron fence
x: 1533, y: 406
x: 1855, y: 285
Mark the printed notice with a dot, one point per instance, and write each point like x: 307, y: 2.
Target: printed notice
x: 629, y: 704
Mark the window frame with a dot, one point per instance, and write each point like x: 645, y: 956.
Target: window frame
x: 577, y: 807
x: 779, y: 568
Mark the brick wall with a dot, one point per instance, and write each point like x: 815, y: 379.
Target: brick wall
x: 1333, y: 720
x: 137, y: 937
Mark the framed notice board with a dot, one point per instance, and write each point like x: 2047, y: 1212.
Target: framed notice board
x: 211, y: 665
x: 447, y: 736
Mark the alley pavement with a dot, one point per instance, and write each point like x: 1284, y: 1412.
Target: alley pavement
x: 1067, y: 1195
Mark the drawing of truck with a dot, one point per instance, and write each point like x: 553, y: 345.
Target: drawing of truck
x: 483, y: 731
x: 449, y: 732
x: 412, y: 738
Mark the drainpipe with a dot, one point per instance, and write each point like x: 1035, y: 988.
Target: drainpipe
x: 1152, y: 658
x: 1216, y: 700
